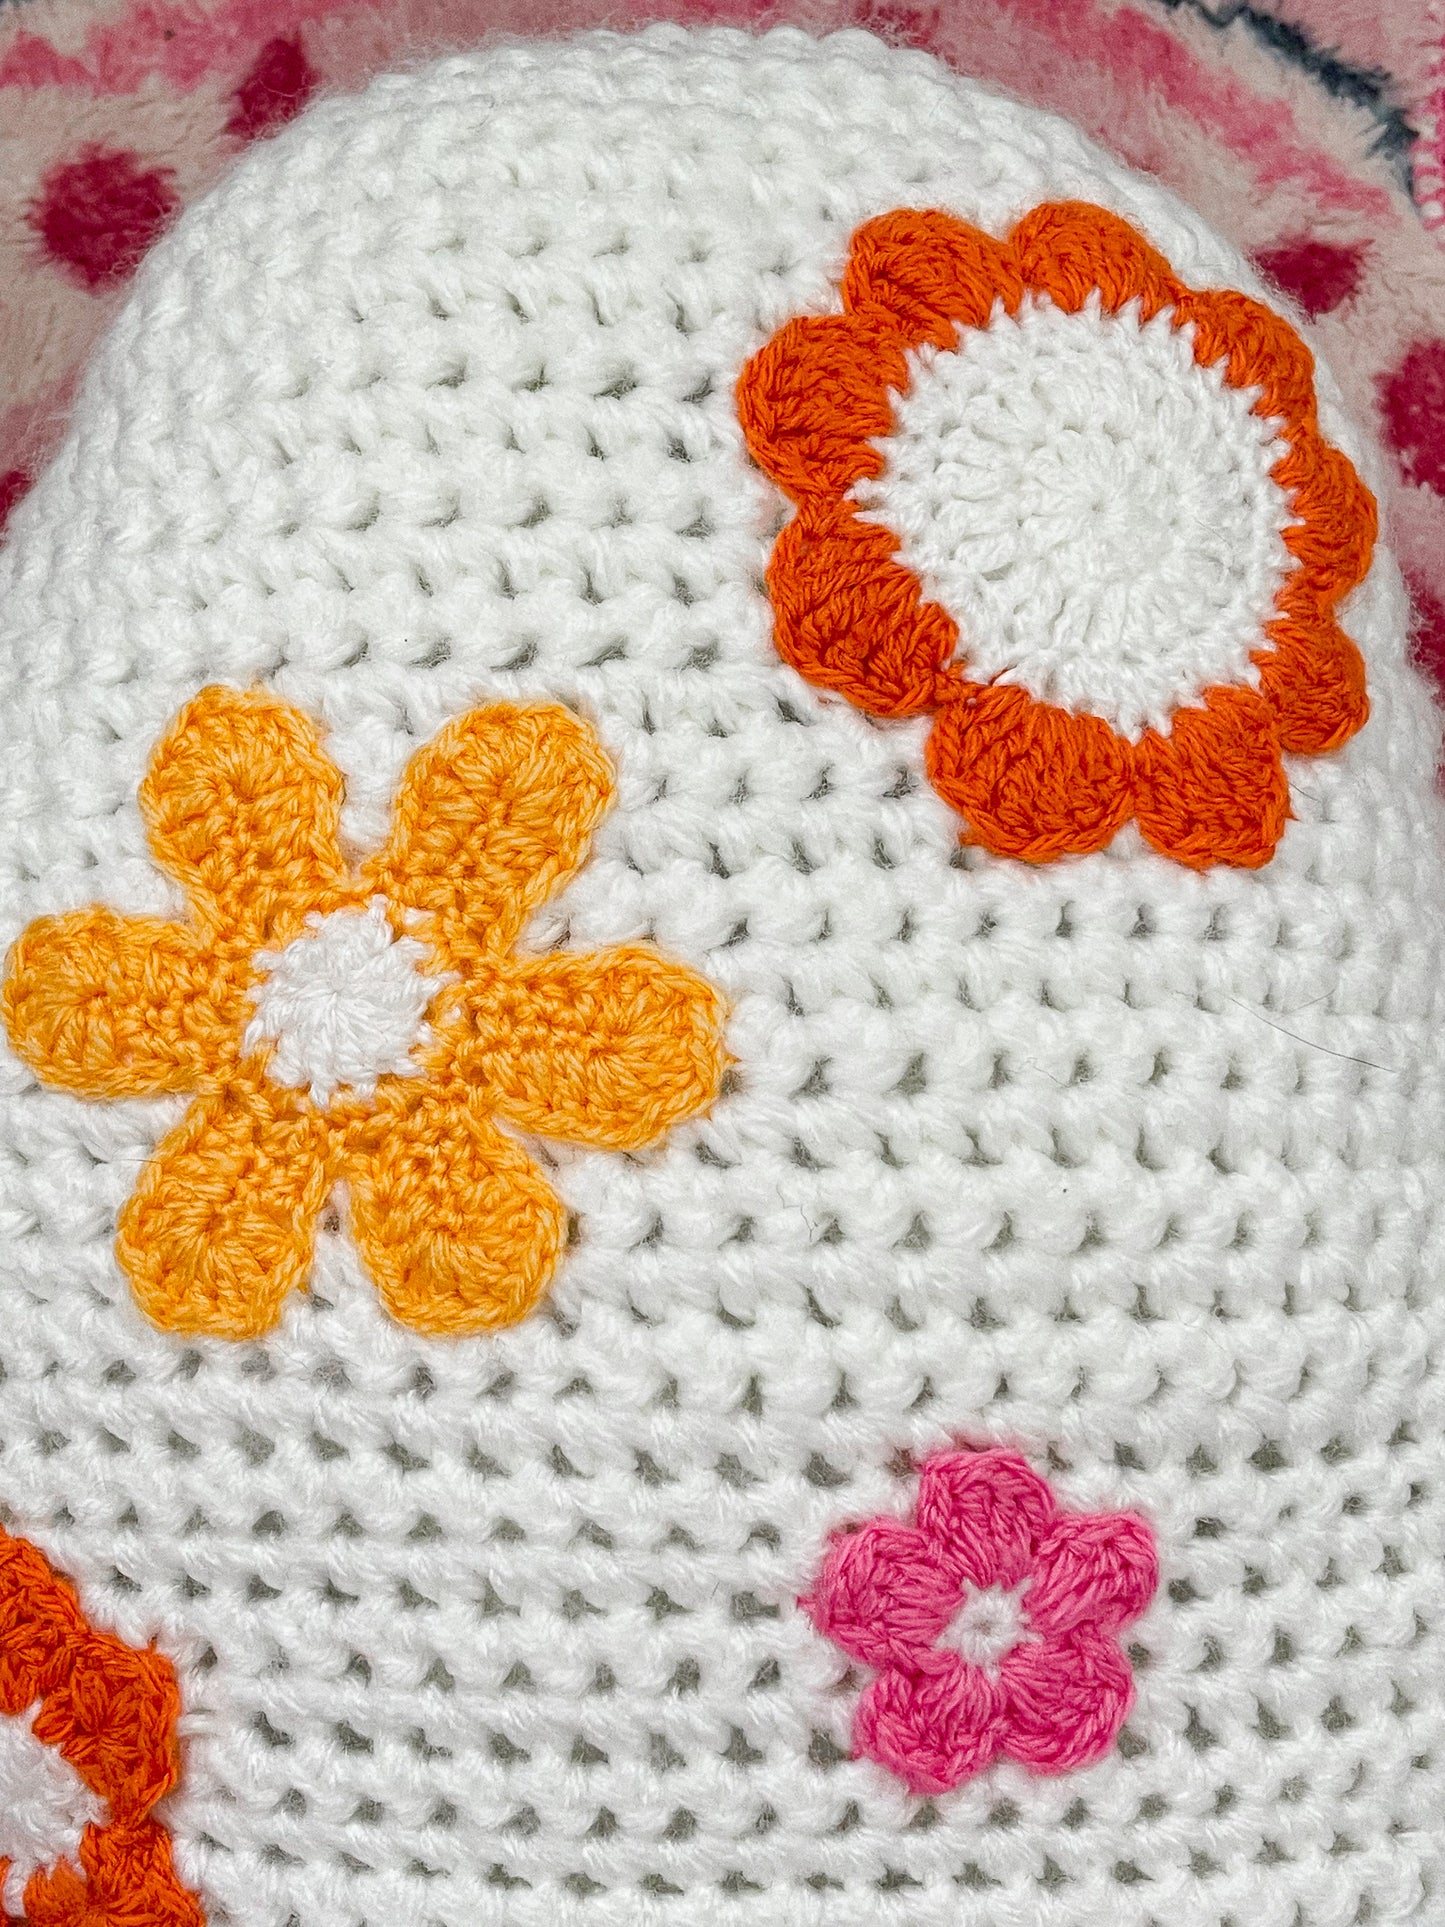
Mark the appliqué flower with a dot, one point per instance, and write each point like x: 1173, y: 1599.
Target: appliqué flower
x: 363, y: 1028
x: 991, y: 1621
x: 1114, y: 484
x: 110, y: 1711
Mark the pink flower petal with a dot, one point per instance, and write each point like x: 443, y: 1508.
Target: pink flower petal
x: 883, y: 1594
x: 1097, y: 1569
x: 1065, y: 1700
x: 933, y: 1727
x: 985, y: 1512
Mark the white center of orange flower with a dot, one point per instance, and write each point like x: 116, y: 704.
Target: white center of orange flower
x: 987, y: 1626
x: 44, y: 1807
x: 1093, y: 508
x: 344, y: 1005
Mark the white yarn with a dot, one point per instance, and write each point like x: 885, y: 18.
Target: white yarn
x: 988, y: 1625
x: 344, y: 1004
x: 1133, y: 1168
x: 1093, y: 508
x: 45, y: 1806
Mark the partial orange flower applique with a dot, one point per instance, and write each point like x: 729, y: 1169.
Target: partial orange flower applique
x: 111, y: 1712
x: 1080, y: 512
x: 365, y: 1028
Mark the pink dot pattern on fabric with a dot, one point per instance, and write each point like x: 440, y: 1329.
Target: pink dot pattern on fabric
x: 1412, y: 409
x: 13, y: 484
x: 1427, y: 641
x: 97, y: 214
x: 898, y: 22
x: 1320, y: 275
x: 985, y: 1523
x: 277, y: 86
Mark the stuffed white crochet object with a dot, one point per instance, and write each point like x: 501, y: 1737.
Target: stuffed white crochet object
x: 721, y: 1113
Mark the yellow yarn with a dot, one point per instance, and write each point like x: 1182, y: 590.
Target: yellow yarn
x: 457, y: 1227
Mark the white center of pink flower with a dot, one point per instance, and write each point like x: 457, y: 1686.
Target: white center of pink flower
x: 988, y: 1625
x: 344, y: 1005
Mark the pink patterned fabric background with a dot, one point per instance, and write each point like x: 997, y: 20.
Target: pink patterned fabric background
x: 1310, y: 131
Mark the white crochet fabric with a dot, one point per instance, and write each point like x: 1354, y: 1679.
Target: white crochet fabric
x: 1135, y: 1169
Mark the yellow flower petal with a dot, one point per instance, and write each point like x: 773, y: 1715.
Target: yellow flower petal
x: 243, y: 807
x: 492, y: 818
x: 610, y: 1049
x: 222, y: 1223
x: 111, y: 1006
x: 457, y: 1227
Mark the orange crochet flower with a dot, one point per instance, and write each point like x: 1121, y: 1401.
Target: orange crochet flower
x: 1034, y: 778
x: 362, y: 1027
x: 111, y: 1712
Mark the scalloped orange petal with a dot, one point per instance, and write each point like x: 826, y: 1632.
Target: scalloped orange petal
x: 130, y: 1881
x: 930, y: 274
x: 1031, y: 780
x: 850, y: 617
x: 1069, y: 250
x: 113, y: 1718
x: 1259, y: 349
x: 1314, y: 680
x: 812, y: 401
x: 1214, y: 789
x: 1335, y: 535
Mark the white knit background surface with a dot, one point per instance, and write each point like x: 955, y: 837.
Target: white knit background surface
x: 1136, y: 1169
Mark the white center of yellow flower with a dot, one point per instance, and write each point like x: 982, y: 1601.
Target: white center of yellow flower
x: 44, y: 1807
x: 1093, y: 508
x: 987, y: 1626
x: 344, y: 1005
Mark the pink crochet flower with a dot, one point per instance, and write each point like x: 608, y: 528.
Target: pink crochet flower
x: 991, y: 1621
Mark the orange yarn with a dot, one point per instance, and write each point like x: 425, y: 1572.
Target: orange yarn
x: 1034, y: 780
x: 111, y: 1712
x: 457, y: 1227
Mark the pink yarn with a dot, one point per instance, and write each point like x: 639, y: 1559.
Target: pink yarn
x: 889, y: 1592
